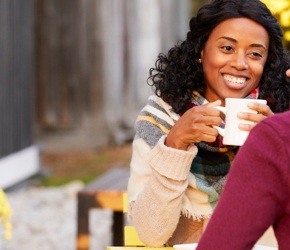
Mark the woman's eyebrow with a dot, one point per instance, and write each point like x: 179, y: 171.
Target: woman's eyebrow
x: 258, y: 45
x: 228, y: 38
x: 255, y: 45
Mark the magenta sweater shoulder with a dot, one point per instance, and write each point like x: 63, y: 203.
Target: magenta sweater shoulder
x: 257, y: 193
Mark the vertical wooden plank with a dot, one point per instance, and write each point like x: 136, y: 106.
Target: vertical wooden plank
x: 92, y: 66
x: 17, y: 75
x: 60, y: 75
x: 113, y: 47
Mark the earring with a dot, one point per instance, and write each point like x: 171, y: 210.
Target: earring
x: 199, y: 60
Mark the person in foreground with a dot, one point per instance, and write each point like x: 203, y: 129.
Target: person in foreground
x: 257, y: 192
x: 179, y: 164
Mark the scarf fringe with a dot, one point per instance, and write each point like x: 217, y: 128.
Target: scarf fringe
x: 197, y: 217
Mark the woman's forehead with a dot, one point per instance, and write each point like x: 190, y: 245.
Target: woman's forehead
x: 241, y: 29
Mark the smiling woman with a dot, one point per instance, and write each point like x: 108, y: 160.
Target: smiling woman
x: 232, y: 62
x: 179, y: 164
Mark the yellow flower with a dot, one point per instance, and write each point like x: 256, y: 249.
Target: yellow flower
x: 281, y: 10
x: 287, y: 36
x: 277, y: 6
x: 285, y: 18
x: 5, y: 215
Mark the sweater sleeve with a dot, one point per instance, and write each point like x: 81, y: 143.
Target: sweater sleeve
x: 253, y: 197
x: 157, y: 184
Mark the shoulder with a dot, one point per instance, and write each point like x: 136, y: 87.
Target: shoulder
x: 154, y: 120
x: 159, y: 109
x: 271, y: 135
x: 158, y: 103
x: 278, y: 123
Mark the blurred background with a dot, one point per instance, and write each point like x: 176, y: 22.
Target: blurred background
x: 73, y: 76
x: 73, y: 79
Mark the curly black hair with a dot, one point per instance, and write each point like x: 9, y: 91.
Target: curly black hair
x: 178, y: 73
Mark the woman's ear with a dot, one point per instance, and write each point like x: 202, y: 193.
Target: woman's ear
x: 201, y: 55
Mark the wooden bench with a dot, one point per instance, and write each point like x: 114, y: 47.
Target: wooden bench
x: 106, y: 192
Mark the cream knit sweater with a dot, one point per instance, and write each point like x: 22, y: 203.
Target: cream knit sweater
x: 165, y: 205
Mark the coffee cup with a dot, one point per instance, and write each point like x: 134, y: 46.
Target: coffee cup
x: 231, y: 133
x: 191, y: 246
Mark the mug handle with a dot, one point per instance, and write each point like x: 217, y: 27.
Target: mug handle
x: 220, y: 130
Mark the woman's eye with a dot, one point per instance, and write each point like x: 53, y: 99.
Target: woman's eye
x: 227, y: 48
x: 257, y: 54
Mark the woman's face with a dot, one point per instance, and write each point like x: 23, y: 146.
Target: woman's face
x: 233, y: 58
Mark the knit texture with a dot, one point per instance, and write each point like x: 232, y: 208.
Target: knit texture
x: 167, y: 183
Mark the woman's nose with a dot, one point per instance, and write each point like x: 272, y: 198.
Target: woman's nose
x: 239, y: 61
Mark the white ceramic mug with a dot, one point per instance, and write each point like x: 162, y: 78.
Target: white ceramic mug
x: 261, y: 247
x: 191, y: 246
x: 232, y: 135
x: 194, y: 246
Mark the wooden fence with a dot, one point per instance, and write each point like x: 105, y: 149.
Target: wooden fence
x: 92, y: 62
x: 18, y: 154
x: 17, y: 75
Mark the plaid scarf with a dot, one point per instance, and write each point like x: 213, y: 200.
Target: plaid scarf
x: 213, y: 160
x: 208, y: 169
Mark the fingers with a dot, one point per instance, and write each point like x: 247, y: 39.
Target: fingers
x: 255, y: 118
x: 202, y: 123
x: 209, y: 135
x: 195, y: 125
x: 207, y: 109
x: 246, y: 127
x: 206, y: 118
x: 204, y: 132
x: 182, y: 138
x: 263, y: 111
x: 261, y: 108
x: 213, y: 104
x: 251, y: 117
x: 205, y: 138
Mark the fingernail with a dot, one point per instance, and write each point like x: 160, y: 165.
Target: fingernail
x: 241, y: 115
x: 251, y: 104
x: 241, y: 126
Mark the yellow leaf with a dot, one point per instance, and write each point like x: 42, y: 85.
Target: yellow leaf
x: 287, y: 36
x: 5, y: 214
x: 285, y: 18
x: 277, y: 6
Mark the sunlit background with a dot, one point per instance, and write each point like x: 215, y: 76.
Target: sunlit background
x: 73, y: 79
x: 281, y: 10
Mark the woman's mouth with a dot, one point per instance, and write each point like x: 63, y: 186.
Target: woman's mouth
x: 234, y: 81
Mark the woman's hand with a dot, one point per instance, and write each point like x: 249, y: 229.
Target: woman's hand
x: 195, y: 125
x: 263, y: 112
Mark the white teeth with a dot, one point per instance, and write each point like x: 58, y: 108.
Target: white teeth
x: 239, y: 80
